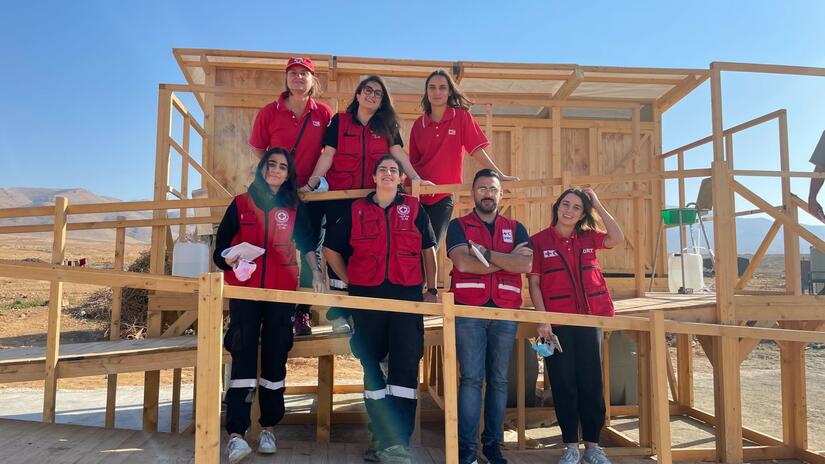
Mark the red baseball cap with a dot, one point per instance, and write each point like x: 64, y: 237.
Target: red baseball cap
x: 304, y: 62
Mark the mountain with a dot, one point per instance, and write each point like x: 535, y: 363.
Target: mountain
x: 749, y: 234
x: 32, y: 197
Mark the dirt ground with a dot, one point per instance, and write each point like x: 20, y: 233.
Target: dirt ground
x: 23, y: 321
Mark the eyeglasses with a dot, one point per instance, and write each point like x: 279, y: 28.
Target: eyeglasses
x: 486, y: 190
x: 387, y: 169
x: 367, y: 90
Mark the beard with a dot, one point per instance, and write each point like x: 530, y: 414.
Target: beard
x: 487, y: 209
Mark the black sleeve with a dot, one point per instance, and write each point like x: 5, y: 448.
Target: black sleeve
x: 426, y: 229
x: 226, y: 232
x: 338, y: 234
x: 331, y: 133
x: 398, y: 140
x: 305, y: 237
x: 521, y: 235
x: 455, y: 235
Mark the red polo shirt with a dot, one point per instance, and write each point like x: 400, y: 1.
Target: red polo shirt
x: 437, y: 148
x: 277, y: 126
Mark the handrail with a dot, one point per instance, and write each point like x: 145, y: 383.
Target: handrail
x: 729, y: 131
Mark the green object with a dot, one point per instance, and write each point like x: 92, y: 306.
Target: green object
x: 671, y: 216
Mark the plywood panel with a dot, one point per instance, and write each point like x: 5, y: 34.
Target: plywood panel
x: 575, y: 146
x: 232, y: 161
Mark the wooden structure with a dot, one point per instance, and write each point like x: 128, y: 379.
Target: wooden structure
x: 552, y: 125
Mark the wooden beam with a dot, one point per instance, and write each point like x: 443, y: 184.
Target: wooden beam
x: 678, y: 92
x: 326, y: 376
x: 793, y: 277
x: 768, y: 68
x: 570, y: 85
x: 794, y: 396
x: 450, y: 381
x: 757, y: 257
x: 659, y: 380
x: 209, y: 360
x: 684, y: 365
x: 55, y: 308
x: 114, y: 325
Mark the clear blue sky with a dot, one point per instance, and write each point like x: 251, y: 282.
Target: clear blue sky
x: 79, y: 85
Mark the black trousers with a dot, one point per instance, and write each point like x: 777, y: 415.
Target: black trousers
x: 333, y: 210
x: 576, y: 381
x: 316, y: 221
x: 251, y: 322
x: 390, y: 401
x: 440, y: 213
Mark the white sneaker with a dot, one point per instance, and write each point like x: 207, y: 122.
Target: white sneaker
x: 237, y: 449
x: 570, y: 455
x: 266, y: 442
x: 595, y: 455
x: 341, y: 326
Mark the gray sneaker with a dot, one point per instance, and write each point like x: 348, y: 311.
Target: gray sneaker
x: 595, y: 455
x: 266, y: 442
x: 570, y: 455
x: 396, y: 454
x: 340, y: 325
x: 237, y: 449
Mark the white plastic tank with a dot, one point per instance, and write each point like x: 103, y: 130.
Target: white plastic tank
x: 694, y: 278
x: 190, y: 259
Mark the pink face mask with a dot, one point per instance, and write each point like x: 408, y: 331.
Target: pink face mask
x: 243, y: 271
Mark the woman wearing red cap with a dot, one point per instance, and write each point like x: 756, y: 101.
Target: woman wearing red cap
x: 438, y: 141
x: 296, y: 121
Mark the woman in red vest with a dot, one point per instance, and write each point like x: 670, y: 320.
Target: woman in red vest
x: 567, y: 278
x: 439, y: 139
x: 385, y: 236
x: 270, y: 216
x: 296, y: 121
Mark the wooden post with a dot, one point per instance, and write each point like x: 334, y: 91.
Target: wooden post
x: 450, y: 381
x: 793, y: 278
x: 658, y: 368
x: 684, y: 365
x: 638, y: 249
x: 114, y: 325
x: 326, y: 374
x: 174, y: 421
x: 151, y: 380
x: 521, y: 413
x: 61, y: 205
x: 794, y: 395
x: 726, y: 349
x: 606, y: 376
x: 184, y: 169
x: 555, y: 148
x: 680, y: 158
x: 646, y: 436
x: 209, y: 361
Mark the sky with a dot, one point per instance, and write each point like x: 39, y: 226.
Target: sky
x: 78, y: 93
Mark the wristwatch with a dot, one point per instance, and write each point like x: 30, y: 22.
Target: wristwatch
x: 432, y: 291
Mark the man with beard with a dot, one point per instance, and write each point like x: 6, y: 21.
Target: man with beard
x: 489, y: 253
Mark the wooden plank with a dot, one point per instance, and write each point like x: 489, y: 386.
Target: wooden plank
x: 684, y: 363
x: 521, y: 414
x: 659, y: 380
x: 794, y: 396
x: 768, y: 68
x: 555, y: 148
x: 793, y: 276
x: 646, y: 438
x: 570, y: 85
x: 55, y: 308
x: 114, y: 325
x: 450, y: 381
x: 638, y: 250
x: 210, y: 357
x: 326, y: 376
x: 175, y: 416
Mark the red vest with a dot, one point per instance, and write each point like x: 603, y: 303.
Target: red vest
x: 557, y: 282
x: 358, y: 149
x: 503, y: 287
x: 386, y: 244
x: 277, y: 268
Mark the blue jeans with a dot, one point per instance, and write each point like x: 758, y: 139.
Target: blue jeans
x: 484, y: 348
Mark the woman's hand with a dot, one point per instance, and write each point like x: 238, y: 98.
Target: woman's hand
x: 318, y: 282
x: 505, y: 178
x: 430, y: 298
x: 545, y: 331
x: 591, y: 194
x: 233, y: 261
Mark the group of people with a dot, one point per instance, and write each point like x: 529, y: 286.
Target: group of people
x: 383, y: 246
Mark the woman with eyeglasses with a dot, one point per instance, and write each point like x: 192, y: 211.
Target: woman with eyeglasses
x: 385, y: 236
x: 354, y: 140
x: 270, y: 216
x: 567, y: 278
x: 296, y: 121
x: 439, y: 139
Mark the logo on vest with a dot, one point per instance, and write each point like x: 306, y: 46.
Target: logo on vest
x: 316, y: 123
x: 281, y: 219
x: 403, y: 212
x: 451, y: 132
x: 587, y: 250
x: 507, y: 235
x: 376, y: 136
x: 550, y: 253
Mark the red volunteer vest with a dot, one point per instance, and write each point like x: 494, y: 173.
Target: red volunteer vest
x: 503, y: 287
x: 277, y: 268
x: 358, y: 149
x: 558, y: 288
x: 386, y: 244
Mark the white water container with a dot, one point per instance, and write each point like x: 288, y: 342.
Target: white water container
x: 190, y: 259
x: 694, y: 278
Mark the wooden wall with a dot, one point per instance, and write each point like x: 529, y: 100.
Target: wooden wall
x: 520, y: 146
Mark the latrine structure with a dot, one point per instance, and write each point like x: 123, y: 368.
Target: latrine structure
x: 550, y: 125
